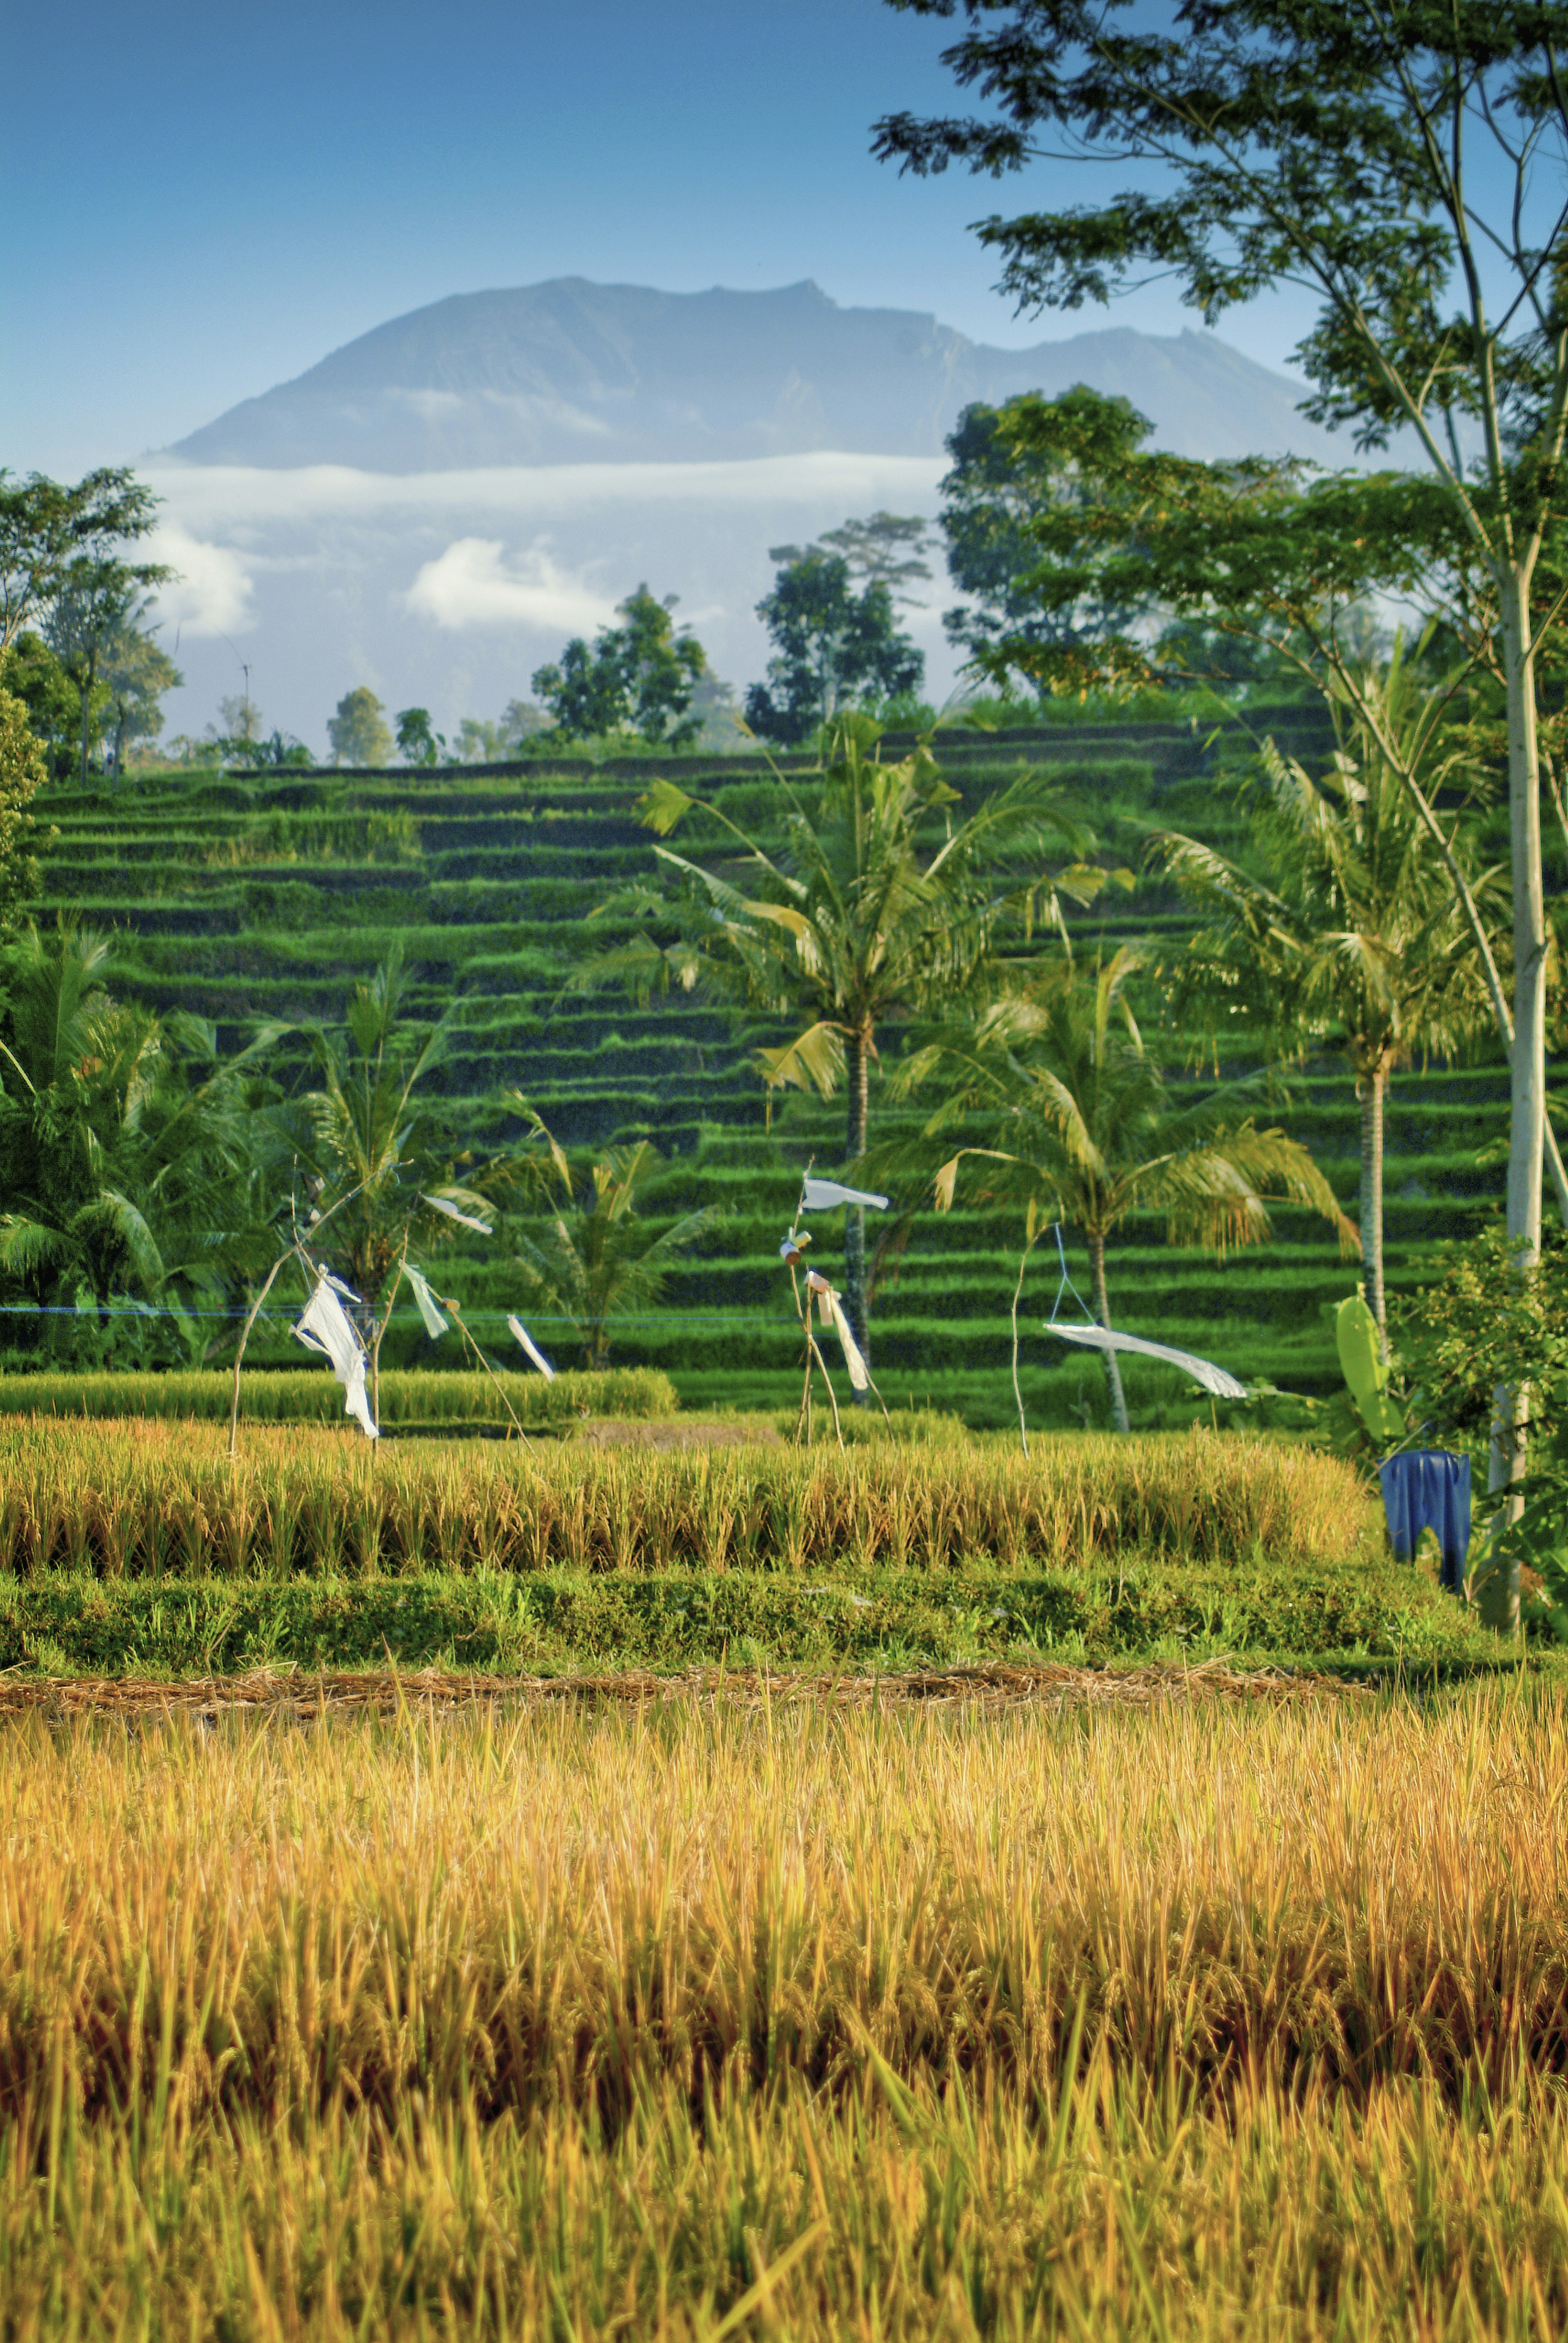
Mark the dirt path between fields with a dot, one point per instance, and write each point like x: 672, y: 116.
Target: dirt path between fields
x: 301, y: 1696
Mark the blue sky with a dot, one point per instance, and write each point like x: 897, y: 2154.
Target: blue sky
x: 203, y: 199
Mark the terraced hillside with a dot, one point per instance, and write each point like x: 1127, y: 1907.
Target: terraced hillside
x: 270, y: 895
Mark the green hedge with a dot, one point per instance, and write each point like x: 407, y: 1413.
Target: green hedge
x: 310, y: 1395
x: 557, y: 1621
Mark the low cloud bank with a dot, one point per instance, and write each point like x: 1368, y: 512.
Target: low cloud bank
x: 446, y: 589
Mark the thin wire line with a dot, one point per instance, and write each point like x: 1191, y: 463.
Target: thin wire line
x: 1067, y: 1285
x: 408, y: 1317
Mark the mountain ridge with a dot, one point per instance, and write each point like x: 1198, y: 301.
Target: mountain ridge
x: 568, y: 371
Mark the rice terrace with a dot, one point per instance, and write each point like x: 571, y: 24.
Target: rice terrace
x: 784, y: 1444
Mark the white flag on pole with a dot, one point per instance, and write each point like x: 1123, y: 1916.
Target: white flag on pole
x: 825, y: 1195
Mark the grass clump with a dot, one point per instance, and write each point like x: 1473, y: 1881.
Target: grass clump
x: 1199, y: 2021
x: 563, y: 1623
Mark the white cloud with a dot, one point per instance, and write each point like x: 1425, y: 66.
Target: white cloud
x: 211, y: 594
x: 470, y: 585
x: 212, y: 496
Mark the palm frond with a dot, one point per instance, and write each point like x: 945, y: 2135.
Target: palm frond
x: 814, y: 1059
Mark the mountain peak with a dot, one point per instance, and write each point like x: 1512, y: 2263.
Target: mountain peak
x: 569, y: 371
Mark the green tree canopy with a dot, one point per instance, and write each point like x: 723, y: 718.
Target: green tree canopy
x: 45, y: 527
x: 887, y: 549
x: 639, y: 677
x: 995, y: 493
x: 240, y: 724
x: 1406, y: 166
x: 23, y: 772
x: 418, y: 743
x: 135, y: 1163
x: 31, y: 673
x: 136, y: 672
x: 99, y: 606
x: 832, y: 647
x: 357, y: 730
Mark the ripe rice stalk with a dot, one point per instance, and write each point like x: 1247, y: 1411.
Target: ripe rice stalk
x: 159, y: 1496
x: 567, y: 1911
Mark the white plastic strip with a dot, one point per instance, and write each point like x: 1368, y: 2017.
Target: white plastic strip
x: 434, y: 1322
x: 531, y: 1347
x: 860, y: 1374
x: 464, y: 1220
x: 1202, y: 1371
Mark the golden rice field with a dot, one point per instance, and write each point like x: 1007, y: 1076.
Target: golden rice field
x: 151, y: 1498
x: 1203, y: 2018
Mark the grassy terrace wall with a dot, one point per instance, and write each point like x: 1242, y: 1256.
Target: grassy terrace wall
x: 270, y: 895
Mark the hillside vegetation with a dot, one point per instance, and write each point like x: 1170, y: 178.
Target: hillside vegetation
x: 269, y: 896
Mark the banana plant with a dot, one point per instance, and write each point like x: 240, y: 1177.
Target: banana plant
x: 1358, y: 1338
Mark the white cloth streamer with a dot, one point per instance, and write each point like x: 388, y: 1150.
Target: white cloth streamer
x: 1202, y: 1371
x: 532, y: 1348
x: 325, y: 1326
x: 464, y: 1220
x: 860, y: 1374
x: 429, y: 1310
x: 825, y: 1195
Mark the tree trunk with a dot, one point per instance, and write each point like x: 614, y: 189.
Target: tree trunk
x: 1527, y: 1084
x: 1373, y: 1087
x: 858, y: 1063
x: 86, y: 719
x: 1102, y: 1311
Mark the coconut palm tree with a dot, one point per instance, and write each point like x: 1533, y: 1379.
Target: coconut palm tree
x: 133, y: 1158
x: 598, y: 1260
x: 877, y: 906
x: 1356, y: 938
x: 1073, y: 1121
x: 381, y: 1159
x: 385, y: 1166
